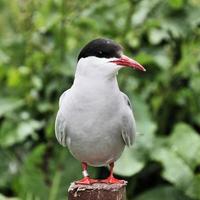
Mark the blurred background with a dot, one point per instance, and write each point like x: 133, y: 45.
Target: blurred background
x: 39, y: 44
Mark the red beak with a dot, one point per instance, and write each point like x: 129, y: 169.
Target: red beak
x: 128, y: 62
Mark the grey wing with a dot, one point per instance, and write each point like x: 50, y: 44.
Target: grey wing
x: 60, y: 132
x: 60, y: 126
x: 128, y: 122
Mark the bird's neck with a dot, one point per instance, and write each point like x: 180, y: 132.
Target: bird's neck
x: 98, y: 84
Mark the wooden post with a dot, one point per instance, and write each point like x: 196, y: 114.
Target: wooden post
x: 97, y: 191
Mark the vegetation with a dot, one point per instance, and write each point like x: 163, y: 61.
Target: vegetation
x: 39, y: 44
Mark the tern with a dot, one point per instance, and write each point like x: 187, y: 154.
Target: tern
x: 95, y: 119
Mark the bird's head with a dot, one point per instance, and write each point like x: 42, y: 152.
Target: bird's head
x: 103, y: 57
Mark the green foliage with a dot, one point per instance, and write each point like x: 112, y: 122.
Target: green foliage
x: 164, y: 192
x: 186, y: 143
x: 39, y: 44
x: 31, y: 182
x: 8, y: 104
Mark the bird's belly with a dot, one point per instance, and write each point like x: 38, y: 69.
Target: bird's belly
x: 96, y: 150
x: 94, y: 138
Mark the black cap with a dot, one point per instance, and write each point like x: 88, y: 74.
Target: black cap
x: 102, y: 48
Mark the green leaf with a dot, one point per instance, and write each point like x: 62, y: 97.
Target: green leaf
x: 164, y: 193
x: 176, y: 3
x: 145, y: 125
x: 11, y: 133
x: 186, y: 143
x: 130, y: 163
x: 175, y: 170
x: 142, y: 11
x: 9, y: 105
x: 2, y: 197
x: 162, y: 59
x: 31, y: 181
x: 8, y: 167
x: 4, y: 58
x: 55, y: 186
x: 144, y: 57
x: 194, y: 188
x: 157, y: 35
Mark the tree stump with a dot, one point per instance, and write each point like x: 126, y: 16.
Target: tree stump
x: 97, y: 191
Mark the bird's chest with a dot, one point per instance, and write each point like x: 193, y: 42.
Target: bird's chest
x: 91, y: 113
x: 95, y: 107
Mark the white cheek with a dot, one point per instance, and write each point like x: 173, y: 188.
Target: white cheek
x: 97, y: 67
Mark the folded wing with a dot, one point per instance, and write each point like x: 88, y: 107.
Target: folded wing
x: 60, y: 126
x: 128, y: 122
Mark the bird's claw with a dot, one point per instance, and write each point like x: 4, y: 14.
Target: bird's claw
x: 112, y: 180
x: 86, y: 181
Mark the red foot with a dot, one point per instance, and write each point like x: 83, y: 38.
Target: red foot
x: 86, y: 181
x: 112, y: 180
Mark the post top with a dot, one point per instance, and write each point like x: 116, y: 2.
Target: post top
x: 97, y: 186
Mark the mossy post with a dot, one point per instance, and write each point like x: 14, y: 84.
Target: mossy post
x: 97, y: 191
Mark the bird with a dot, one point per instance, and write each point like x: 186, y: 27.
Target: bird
x: 95, y: 119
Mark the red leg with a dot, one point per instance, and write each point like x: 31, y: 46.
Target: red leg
x: 86, y: 180
x: 111, y: 179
